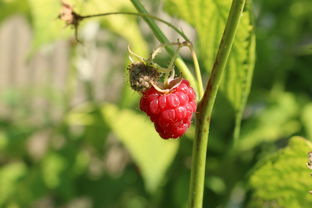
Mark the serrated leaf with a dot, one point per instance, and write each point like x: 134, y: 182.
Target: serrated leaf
x: 209, y: 18
x: 284, y: 179
x: 152, y: 154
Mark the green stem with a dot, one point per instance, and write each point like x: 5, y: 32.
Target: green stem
x: 163, y: 39
x: 198, y: 74
x: 206, y: 105
x: 144, y: 15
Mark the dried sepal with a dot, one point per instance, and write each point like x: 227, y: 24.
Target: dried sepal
x: 142, y: 75
x: 168, y: 86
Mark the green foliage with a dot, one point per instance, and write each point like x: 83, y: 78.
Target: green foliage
x: 273, y: 122
x: 138, y: 136
x: 283, y: 179
x: 209, y: 18
x: 3, y: 141
x: 307, y: 119
x: 44, y: 14
x: 47, y: 28
x: 60, y: 162
x: 53, y: 166
x: 12, y: 7
x: 9, y: 179
x: 152, y: 154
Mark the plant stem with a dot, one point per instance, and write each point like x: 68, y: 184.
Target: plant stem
x: 163, y: 39
x: 198, y: 74
x: 206, y: 105
x: 144, y: 15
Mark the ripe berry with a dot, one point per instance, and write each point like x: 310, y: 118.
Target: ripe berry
x: 171, y: 111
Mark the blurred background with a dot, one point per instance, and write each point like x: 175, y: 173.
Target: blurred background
x: 72, y: 136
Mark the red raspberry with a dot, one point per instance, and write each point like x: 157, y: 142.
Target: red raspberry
x: 171, y: 112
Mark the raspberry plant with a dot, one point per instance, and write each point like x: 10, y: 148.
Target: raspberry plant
x: 164, y: 116
x: 137, y: 168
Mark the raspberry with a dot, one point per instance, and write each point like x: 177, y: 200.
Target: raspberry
x: 171, y: 112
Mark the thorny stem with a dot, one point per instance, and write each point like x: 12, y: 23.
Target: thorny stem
x: 206, y: 105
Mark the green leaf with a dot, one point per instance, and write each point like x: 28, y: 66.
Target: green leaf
x: 52, y: 167
x: 209, y: 18
x: 307, y: 120
x: 277, y: 120
x: 3, y: 141
x: 10, y: 175
x: 151, y: 153
x: 283, y: 180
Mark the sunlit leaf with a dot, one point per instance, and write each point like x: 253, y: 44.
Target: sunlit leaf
x: 209, y: 17
x: 152, y: 154
x: 283, y: 180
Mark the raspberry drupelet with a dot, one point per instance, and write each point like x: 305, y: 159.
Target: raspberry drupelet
x: 171, y: 112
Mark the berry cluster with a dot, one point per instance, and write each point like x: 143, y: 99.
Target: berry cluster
x: 170, y: 111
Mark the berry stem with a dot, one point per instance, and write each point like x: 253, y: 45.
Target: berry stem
x: 163, y: 39
x: 205, y: 107
x: 171, y: 66
x: 197, y: 72
x: 144, y: 15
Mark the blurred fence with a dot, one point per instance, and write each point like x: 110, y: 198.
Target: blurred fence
x: 38, y: 83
